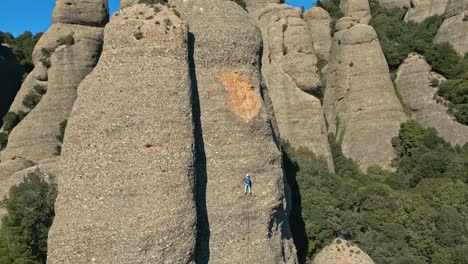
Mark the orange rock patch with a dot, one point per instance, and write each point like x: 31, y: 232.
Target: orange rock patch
x: 243, y: 99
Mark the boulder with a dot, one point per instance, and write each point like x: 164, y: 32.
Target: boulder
x: 456, y: 7
x: 11, y: 73
x: 360, y: 103
x: 455, y: 26
x: 235, y: 137
x: 63, y: 57
x: 413, y: 80
x: 401, y: 4
x: 422, y: 9
x: 257, y: 5
x: 359, y: 9
x: 299, y: 115
x: 341, y: 251
x: 82, y: 12
x: 126, y: 181
x: 318, y: 21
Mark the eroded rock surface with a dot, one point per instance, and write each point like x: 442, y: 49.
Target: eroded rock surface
x: 422, y: 9
x: 237, y: 139
x: 414, y: 79
x: 83, y: 12
x: 402, y: 4
x: 299, y: 115
x: 318, y: 20
x: 126, y: 184
x: 359, y: 9
x: 341, y: 251
x: 454, y: 29
x: 360, y: 103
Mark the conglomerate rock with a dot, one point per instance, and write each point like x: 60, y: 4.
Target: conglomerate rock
x: 82, y: 12
x: 413, y: 80
x: 11, y: 73
x: 319, y: 22
x: 360, y: 103
x: 341, y: 251
x: 235, y: 138
x: 402, y: 4
x: 299, y: 115
x: 359, y: 9
x: 422, y: 9
x: 126, y: 181
x: 255, y: 5
x: 454, y: 29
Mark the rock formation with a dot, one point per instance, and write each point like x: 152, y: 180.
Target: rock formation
x: 422, y: 9
x: 255, y: 5
x: 359, y: 9
x: 454, y: 29
x: 402, y: 4
x: 87, y: 13
x: 360, y: 104
x: 237, y: 139
x: 414, y: 83
x: 126, y: 184
x: 64, y: 55
x: 299, y: 115
x: 341, y: 251
x: 319, y: 22
x: 11, y: 73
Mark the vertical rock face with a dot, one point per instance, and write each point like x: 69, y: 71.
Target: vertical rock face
x: 83, y: 12
x: 64, y: 55
x: 414, y: 83
x: 360, y: 104
x: 422, y: 9
x: 319, y: 22
x: 341, y: 251
x: 10, y: 78
x: 299, y: 115
x: 359, y: 9
x: 238, y: 139
x: 454, y: 29
x: 402, y: 4
x: 126, y: 187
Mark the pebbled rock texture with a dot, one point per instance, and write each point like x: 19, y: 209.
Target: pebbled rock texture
x: 360, y: 103
x: 341, y: 251
x: 82, y: 12
x: 422, y: 9
x: 318, y: 20
x: 413, y: 80
x: 454, y: 29
x: 126, y: 184
x: 359, y: 9
x: 299, y: 115
x: 235, y: 137
x: 11, y: 73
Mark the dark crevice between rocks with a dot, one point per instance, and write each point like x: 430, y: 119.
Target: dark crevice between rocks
x: 296, y: 221
x: 202, y: 250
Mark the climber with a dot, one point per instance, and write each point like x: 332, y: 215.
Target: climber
x: 247, y: 184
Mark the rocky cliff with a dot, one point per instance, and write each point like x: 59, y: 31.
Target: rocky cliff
x: 422, y: 9
x: 414, y: 81
x: 319, y: 22
x: 290, y: 72
x: 64, y: 55
x: 126, y: 182
x: 402, y: 4
x: 235, y: 137
x: 454, y: 29
x: 341, y: 251
x: 360, y: 104
x: 359, y: 9
x: 11, y: 73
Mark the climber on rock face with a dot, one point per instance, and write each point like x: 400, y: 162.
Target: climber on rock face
x: 247, y: 184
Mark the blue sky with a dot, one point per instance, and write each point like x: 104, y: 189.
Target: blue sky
x: 35, y: 15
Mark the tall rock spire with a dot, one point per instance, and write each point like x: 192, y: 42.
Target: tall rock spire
x: 235, y: 138
x: 126, y: 187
